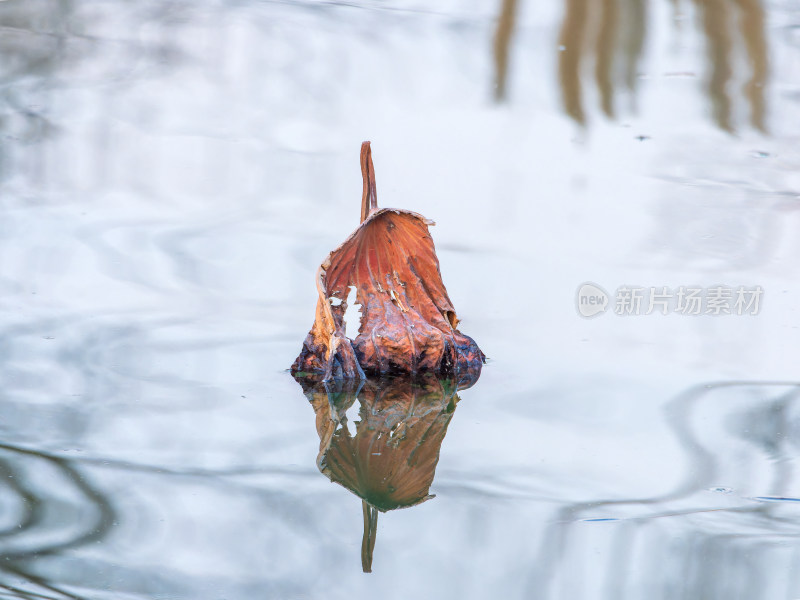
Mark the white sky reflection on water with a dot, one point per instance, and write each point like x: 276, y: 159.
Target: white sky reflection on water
x: 172, y: 175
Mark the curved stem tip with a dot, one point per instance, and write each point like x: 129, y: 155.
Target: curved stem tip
x: 369, y: 196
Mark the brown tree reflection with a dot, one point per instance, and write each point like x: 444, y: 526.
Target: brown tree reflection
x: 502, y: 40
x: 390, y: 460
x: 604, y: 41
x: 719, y: 19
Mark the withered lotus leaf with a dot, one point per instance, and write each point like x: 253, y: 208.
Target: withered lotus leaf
x: 408, y: 324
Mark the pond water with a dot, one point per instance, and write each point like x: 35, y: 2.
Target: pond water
x: 172, y: 174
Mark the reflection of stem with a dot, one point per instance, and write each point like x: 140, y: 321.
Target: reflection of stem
x: 751, y: 23
x: 715, y: 24
x: 605, y: 55
x: 569, y: 59
x: 502, y: 40
x: 370, y: 532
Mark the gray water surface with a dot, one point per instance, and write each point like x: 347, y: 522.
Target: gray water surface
x: 172, y: 174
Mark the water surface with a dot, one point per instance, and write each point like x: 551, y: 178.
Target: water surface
x: 173, y: 173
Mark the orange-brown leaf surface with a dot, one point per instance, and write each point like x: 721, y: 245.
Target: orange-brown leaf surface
x: 408, y: 324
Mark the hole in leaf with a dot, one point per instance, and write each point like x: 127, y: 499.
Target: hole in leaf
x: 351, y: 419
x: 352, y: 314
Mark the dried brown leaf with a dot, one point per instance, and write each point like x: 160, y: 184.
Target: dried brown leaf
x: 408, y: 323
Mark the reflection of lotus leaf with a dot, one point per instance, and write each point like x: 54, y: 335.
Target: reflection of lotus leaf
x: 391, y: 459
